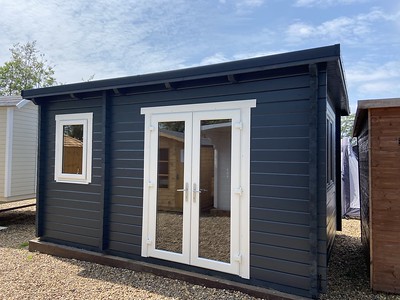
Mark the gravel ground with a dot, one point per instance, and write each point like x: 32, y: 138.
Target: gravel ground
x: 214, y: 235
x: 26, y: 275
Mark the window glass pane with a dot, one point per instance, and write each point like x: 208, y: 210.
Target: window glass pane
x: 215, y: 190
x: 169, y: 222
x: 72, y: 149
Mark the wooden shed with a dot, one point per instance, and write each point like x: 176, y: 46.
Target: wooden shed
x: 171, y: 164
x: 377, y: 128
x: 18, y: 144
x: 273, y: 123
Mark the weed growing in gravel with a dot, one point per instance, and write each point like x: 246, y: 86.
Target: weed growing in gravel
x: 24, y: 245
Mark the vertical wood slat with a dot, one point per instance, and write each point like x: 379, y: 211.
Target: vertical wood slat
x: 338, y: 174
x: 41, y: 166
x: 105, y: 171
x: 313, y: 179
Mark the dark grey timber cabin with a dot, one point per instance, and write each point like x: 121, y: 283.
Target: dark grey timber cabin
x: 228, y: 170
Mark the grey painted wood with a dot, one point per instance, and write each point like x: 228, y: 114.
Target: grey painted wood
x: 313, y: 178
x: 288, y: 213
x: 71, y: 210
x: 283, y: 228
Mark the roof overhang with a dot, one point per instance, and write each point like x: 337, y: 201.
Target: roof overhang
x: 364, y: 105
x: 223, y: 73
x: 13, y: 101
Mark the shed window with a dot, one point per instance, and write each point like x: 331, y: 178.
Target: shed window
x: 73, y: 153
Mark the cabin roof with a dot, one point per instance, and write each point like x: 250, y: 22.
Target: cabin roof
x: 364, y: 105
x: 222, y: 73
x: 12, y: 101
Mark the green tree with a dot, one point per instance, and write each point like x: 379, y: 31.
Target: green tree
x: 347, y: 126
x: 26, y: 69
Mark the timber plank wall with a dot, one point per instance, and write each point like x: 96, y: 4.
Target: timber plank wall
x: 109, y: 221
x: 385, y: 202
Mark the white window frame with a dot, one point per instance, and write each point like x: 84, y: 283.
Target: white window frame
x: 85, y: 119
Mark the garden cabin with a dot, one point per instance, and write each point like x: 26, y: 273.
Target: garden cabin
x: 18, y: 144
x: 264, y: 216
x: 377, y: 128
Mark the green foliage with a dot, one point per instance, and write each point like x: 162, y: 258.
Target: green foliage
x: 347, y: 126
x: 75, y: 131
x: 26, y: 69
x: 24, y: 245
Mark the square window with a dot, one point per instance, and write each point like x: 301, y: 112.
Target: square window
x: 73, y: 153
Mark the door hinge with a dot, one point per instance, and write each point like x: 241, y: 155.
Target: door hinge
x: 151, y: 127
x: 150, y: 184
x: 238, y: 191
x: 148, y: 241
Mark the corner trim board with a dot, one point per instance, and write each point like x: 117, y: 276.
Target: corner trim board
x: 8, y: 152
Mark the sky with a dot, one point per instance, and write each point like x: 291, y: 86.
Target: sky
x: 114, y: 38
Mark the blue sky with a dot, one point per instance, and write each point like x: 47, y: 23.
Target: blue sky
x: 113, y: 38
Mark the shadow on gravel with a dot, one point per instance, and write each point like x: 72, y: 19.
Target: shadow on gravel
x: 17, y: 217
x: 151, y: 283
x: 20, y: 229
x: 348, y: 276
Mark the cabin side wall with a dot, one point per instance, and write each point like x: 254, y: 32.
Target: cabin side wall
x: 328, y: 113
x: 3, y: 142
x: 106, y: 215
x: 384, y: 199
x: 363, y: 158
x: 70, y: 213
x: 24, y: 152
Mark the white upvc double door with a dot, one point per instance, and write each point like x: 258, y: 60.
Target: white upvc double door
x: 194, y: 211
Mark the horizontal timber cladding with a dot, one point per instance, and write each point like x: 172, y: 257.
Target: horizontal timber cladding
x: 126, y: 177
x: 71, y: 213
x: 279, y: 216
x: 279, y: 204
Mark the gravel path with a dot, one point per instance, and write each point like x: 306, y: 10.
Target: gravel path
x: 26, y: 275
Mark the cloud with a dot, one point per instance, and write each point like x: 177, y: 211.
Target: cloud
x: 325, y: 3
x: 105, y: 38
x: 351, y: 30
x: 220, y: 57
x: 214, y: 59
x: 250, y: 3
x: 374, y: 80
x: 243, y: 7
x: 363, y: 71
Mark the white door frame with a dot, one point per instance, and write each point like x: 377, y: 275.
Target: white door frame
x: 239, y: 112
x: 183, y: 257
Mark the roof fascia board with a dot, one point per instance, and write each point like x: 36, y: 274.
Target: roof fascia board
x: 364, y: 105
x: 378, y: 103
x: 346, y: 107
x: 290, y: 59
x: 22, y: 103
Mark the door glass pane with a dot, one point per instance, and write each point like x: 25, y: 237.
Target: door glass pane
x: 72, y: 149
x: 169, y: 222
x: 215, y: 187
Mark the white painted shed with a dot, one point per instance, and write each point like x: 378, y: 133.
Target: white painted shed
x: 18, y: 148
